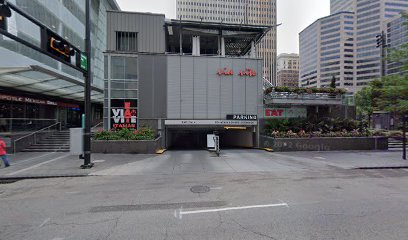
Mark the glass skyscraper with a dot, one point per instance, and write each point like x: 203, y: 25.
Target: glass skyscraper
x: 35, y: 86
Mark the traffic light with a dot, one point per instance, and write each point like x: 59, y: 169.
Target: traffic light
x: 58, y: 47
x: 3, y: 23
x: 4, y: 9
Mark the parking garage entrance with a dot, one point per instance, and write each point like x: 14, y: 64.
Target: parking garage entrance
x: 193, y: 135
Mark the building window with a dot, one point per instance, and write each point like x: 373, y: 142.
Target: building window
x: 126, y: 41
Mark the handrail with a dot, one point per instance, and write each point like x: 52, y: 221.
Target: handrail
x: 97, y: 125
x: 34, y: 133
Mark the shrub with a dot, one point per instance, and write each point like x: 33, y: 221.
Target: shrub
x: 144, y: 133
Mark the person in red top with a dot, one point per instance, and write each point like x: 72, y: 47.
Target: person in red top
x: 3, y: 153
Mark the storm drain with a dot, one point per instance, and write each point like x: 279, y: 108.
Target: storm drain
x: 200, y: 189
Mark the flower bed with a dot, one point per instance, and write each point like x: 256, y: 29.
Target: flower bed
x: 304, y: 128
x: 125, y: 134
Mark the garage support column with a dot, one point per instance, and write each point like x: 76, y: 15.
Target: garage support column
x: 253, y: 50
x: 196, y: 46
x: 223, y: 46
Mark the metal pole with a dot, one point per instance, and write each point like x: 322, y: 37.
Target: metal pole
x: 404, y: 138
x: 88, y: 80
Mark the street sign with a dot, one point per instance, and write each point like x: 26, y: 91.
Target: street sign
x: 84, y: 62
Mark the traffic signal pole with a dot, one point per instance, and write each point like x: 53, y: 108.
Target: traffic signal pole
x: 88, y: 80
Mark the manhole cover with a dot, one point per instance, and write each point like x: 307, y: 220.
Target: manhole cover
x: 200, y: 189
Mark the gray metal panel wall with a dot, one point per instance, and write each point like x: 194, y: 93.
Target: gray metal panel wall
x: 173, y: 87
x: 152, y: 86
x: 196, y: 91
x: 149, y: 28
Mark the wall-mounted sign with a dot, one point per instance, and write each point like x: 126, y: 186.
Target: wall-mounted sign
x: 241, y: 117
x: 248, y: 72
x: 123, y: 117
x: 225, y: 71
x: 36, y: 101
x: 229, y: 72
x: 210, y: 122
x: 285, y: 112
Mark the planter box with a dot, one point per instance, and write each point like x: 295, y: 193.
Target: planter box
x: 324, y: 144
x: 129, y: 147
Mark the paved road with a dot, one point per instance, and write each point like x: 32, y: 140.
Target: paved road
x: 252, y: 195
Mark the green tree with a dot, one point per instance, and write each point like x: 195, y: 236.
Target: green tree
x: 390, y: 93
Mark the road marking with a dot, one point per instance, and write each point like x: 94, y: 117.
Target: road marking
x: 37, y: 165
x: 98, y: 161
x: 321, y: 158
x: 45, y: 222
x: 23, y: 161
x: 216, y: 188
x: 179, y: 213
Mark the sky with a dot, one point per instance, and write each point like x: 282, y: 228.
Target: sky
x: 295, y: 15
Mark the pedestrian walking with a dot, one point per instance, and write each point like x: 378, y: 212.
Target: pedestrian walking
x: 3, y: 153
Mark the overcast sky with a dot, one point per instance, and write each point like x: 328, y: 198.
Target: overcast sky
x: 294, y: 15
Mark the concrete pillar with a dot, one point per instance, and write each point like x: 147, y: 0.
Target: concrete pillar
x: 196, y: 46
x: 253, y: 50
x: 223, y: 46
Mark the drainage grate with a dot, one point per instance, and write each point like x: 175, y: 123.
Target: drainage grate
x: 199, y: 189
x: 8, y: 181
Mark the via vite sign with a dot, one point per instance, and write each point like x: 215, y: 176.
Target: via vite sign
x: 124, y: 117
x: 229, y: 72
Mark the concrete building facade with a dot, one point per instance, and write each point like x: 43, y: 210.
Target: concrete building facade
x: 287, y: 70
x: 327, y: 49
x: 248, y: 12
x: 337, y: 6
x: 183, y: 95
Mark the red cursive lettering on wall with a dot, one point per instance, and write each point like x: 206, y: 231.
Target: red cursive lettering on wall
x: 248, y: 72
x: 225, y: 71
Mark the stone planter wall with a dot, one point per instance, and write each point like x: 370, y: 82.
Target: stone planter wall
x: 128, y: 147
x: 324, y: 144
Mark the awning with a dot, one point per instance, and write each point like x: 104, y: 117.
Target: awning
x: 37, y: 79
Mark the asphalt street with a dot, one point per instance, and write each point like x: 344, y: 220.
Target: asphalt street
x: 244, y: 194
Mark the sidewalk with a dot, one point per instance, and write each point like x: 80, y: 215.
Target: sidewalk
x: 37, y: 165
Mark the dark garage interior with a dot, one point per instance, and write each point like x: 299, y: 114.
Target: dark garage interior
x: 187, y: 138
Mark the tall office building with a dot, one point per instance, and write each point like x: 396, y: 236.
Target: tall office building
x: 397, y: 35
x: 36, y: 90
x: 287, y: 70
x: 341, y: 6
x: 371, y: 16
x: 250, y: 12
x: 326, y: 50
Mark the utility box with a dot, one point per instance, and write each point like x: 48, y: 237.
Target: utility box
x: 211, y: 141
x: 76, y: 141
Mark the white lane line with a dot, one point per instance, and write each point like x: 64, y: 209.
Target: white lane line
x: 37, y: 165
x: 30, y: 159
x: 321, y: 158
x: 179, y: 213
x: 45, y: 222
x: 216, y: 188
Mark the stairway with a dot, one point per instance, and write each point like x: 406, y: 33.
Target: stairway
x: 395, y: 144
x: 57, y: 142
